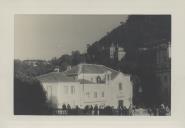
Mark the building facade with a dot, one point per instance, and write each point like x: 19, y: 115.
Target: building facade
x: 88, y: 84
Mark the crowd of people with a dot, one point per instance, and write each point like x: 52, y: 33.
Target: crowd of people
x: 161, y: 110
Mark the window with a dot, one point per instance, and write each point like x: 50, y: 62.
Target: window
x: 95, y: 94
x: 65, y: 89
x: 120, y: 86
x: 98, y: 79
x: 88, y: 94
x: 72, y: 89
x: 107, y: 77
x: 102, y: 94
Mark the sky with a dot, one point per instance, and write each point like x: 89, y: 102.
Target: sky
x: 47, y: 36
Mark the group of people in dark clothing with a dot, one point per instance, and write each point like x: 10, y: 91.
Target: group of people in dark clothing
x: 162, y: 110
x: 93, y: 110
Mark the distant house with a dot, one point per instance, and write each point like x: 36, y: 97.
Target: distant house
x: 35, y: 63
x: 87, y: 84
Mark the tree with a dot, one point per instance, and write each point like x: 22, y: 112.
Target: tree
x: 54, y: 61
x: 24, y: 68
x: 76, y: 57
x: 29, y: 97
x: 64, y: 61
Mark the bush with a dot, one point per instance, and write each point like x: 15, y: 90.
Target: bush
x: 29, y: 97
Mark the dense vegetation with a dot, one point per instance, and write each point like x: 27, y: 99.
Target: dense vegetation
x: 137, y: 33
x: 29, y: 97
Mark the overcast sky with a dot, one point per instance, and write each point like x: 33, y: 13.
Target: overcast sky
x: 47, y: 36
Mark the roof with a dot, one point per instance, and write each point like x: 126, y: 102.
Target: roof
x: 83, y: 81
x: 55, y: 77
x: 69, y: 76
x: 91, y: 69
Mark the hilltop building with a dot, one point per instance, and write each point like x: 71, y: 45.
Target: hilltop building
x: 116, y: 52
x: 87, y: 84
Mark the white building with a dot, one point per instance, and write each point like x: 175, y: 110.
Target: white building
x: 88, y: 84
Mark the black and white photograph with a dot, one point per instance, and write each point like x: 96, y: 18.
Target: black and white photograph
x: 92, y: 65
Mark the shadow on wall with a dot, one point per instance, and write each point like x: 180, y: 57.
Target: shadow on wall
x: 52, y: 103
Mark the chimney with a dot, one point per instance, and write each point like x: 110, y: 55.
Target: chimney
x: 56, y: 69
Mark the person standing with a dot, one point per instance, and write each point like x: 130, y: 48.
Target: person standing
x: 95, y: 109
x: 130, y: 110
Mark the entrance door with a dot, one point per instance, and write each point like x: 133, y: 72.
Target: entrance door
x: 120, y: 102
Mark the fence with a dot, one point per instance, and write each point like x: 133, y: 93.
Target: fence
x: 106, y: 111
